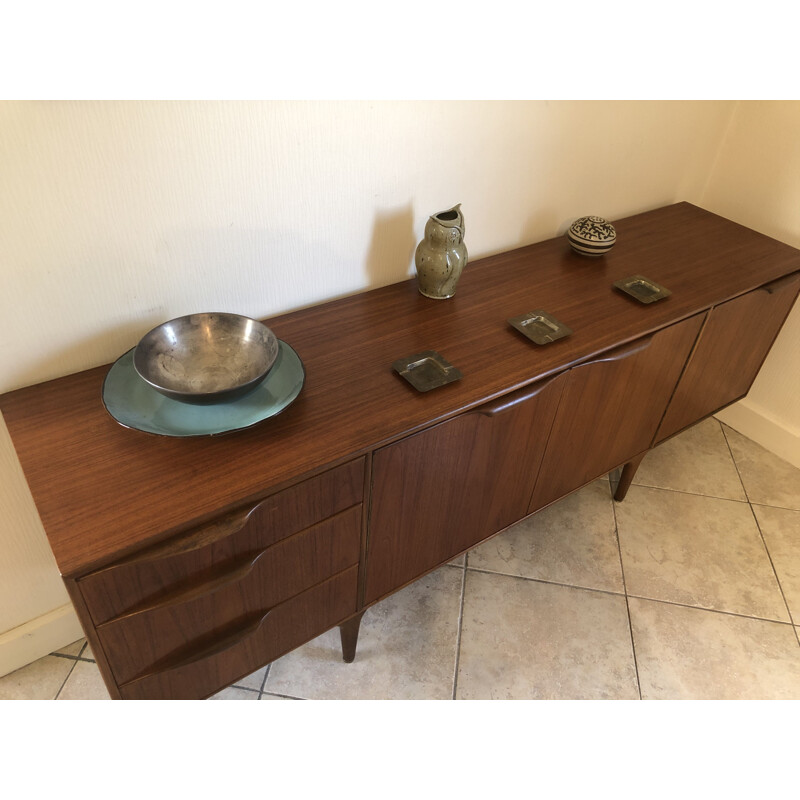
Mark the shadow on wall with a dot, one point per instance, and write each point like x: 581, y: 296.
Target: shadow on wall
x: 390, y: 257
x: 252, y: 271
x: 256, y: 272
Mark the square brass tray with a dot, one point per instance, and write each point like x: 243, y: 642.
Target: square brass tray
x: 642, y: 289
x: 540, y: 327
x: 426, y: 370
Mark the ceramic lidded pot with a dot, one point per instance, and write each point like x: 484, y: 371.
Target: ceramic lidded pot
x: 442, y: 255
x: 591, y: 236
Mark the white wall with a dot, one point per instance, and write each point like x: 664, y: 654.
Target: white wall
x: 756, y: 181
x: 117, y: 216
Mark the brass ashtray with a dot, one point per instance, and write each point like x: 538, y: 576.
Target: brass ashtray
x: 642, y: 289
x: 426, y: 370
x: 540, y: 327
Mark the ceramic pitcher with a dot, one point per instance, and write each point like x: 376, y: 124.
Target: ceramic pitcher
x: 441, y: 255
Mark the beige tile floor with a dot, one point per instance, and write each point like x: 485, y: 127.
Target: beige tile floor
x: 690, y: 589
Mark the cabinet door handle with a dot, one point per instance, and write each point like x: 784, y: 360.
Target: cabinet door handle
x: 515, y: 398
x: 781, y: 283
x: 219, y: 645
x: 620, y: 353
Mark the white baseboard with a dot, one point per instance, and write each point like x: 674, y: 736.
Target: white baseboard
x: 753, y: 422
x: 39, y: 637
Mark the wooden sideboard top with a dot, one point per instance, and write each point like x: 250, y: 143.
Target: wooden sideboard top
x: 103, y: 490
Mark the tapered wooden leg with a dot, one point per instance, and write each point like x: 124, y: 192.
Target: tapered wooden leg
x: 349, y: 633
x: 628, y: 472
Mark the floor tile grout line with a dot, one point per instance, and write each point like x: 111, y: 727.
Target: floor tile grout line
x: 711, y: 610
x: 72, y: 658
x: 244, y: 689
x: 460, y: 625
x: 772, y: 564
x: 278, y: 694
x: 760, y: 532
x: 735, y: 463
x: 778, y: 508
x: 264, y: 682
x: 260, y: 689
x: 691, y: 494
x: 69, y: 675
x: 485, y: 571
x: 627, y: 600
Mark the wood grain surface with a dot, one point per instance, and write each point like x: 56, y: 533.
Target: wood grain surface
x: 202, y: 667
x: 734, y: 343
x: 611, y: 408
x: 147, y: 635
x: 443, y: 490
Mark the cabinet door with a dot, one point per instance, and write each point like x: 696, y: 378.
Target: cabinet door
x: 443, y: 490
x: 732, y: 347
x: 611, y: 408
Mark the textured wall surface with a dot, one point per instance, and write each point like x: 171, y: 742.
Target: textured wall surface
x: 115, y: 216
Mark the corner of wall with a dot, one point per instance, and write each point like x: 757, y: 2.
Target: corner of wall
x: 712, y: 167
x: 755, y: 423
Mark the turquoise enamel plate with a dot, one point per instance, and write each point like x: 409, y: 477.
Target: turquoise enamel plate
x: 135, y: 404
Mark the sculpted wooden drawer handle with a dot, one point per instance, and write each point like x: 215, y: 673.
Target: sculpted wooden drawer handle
x: 220, y: 645
x: 514, y: 399
x: 239, y: 570
x: 781, y: 283
x: 195, y: 540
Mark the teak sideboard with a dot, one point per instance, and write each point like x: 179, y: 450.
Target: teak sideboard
x: 193, y: 562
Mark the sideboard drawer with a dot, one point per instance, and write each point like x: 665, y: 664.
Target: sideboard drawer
x: 160, y: 632
x: 226, y: 656
x: 200, y: 555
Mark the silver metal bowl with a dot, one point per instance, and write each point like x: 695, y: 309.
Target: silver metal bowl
x: 206, y: 358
